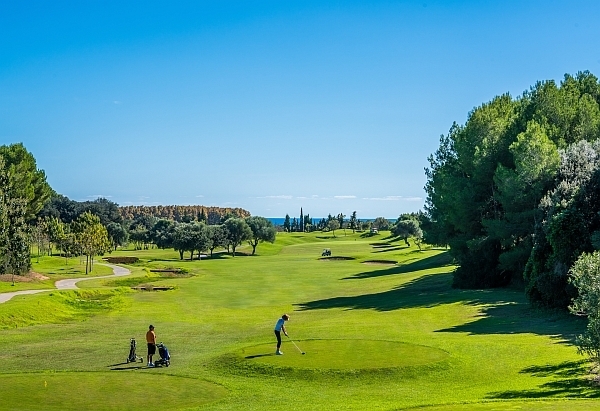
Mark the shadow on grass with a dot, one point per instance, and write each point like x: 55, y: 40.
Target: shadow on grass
x: 391, y: 248
x: 570, y: 381
x: 502, y: 311
x: 435, y: 261
x: 249, y: 357
x: 380, y: 245
x: 124, y: 366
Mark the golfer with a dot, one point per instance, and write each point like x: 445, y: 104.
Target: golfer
x: 151, y: 340
x: 279, y: 327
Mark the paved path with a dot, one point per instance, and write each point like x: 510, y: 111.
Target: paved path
x: 69, y: 284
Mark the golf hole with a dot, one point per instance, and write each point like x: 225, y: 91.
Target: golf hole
x: 345, y: 354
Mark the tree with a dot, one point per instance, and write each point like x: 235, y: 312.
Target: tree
x: 40, y: 235
x: 381, y: 223
x: 56, y: 231
x: 61, y: 207
x: 488, y: 185
x: 139, y: 235
x: 407, y: 227
x: 353, y: 222
x: 183, y: 239
x: 217, y: 235
x: 161, y: 233
x: 14, y: 236
x: 25, y: 181
x: 199, y: 238
x: 117, y: 234
x: 301, y: 221
x: 307, y: 223
x: 567, y: 227
x: 91, y: 237
x: 262, y: 230
x: 238, y: 231
x: 333, y: 225
x: 340, y: 217
x: 585, y: 276
x: 16, y: 250
x: 286, y: 223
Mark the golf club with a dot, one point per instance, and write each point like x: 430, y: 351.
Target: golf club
x: 302, y: 352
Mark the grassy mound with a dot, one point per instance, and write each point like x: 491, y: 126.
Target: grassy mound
x: 346, y: 354
x: 81, y: 391
x: 58, y: 307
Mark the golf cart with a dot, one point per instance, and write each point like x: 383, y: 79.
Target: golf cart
x: 326, y: 253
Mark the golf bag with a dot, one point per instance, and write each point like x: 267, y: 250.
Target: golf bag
x: 165, y: 357
x: 132, y: 355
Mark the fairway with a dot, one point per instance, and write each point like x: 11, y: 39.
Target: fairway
x: 376, y: 336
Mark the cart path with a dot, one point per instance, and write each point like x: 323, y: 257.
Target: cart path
x: 68, y: 284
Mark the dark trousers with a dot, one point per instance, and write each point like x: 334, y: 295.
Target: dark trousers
x: 278, y: 335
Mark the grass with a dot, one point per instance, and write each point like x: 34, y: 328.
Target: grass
x: 376, y: 336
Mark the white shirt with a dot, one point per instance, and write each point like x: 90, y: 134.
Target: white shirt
x: 279, y: 324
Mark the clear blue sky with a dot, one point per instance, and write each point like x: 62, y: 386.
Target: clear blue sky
x: 268, y: 106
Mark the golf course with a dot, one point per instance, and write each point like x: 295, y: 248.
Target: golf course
x: 381, y: 329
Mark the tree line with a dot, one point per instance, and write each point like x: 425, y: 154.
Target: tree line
x: 200, y: 237
x: 515, y: 190
x: 407, y: 225
x: 181, y: 213
x: 32, y: 214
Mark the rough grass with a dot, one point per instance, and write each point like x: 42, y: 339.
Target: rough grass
x: 59, y: 307
x: 501, y: 352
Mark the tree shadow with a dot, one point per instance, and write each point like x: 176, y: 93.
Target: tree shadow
x: 515, y: 317
x: 502, y: 311
x: 391, y: 248
x: 570, y: 381
x: 435, y: 261
x: 382, y: 245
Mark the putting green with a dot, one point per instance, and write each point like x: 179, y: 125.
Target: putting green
x: 345, y: 354
x: 544, y: 405
x: 96, y: 391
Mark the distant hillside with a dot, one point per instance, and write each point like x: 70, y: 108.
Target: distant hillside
x: 180, y: 213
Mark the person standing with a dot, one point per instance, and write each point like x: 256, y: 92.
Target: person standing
x: 279, y: 327
x: 151, y: 340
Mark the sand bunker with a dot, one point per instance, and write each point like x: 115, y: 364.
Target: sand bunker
x: 380, y: 262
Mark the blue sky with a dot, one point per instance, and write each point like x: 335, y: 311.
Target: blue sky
x: 268, y: 106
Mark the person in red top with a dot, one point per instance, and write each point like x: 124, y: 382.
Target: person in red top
x: 151, y: 340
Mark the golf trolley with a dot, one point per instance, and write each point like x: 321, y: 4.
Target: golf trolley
x: 165, y: 357
x: 132, y: 355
